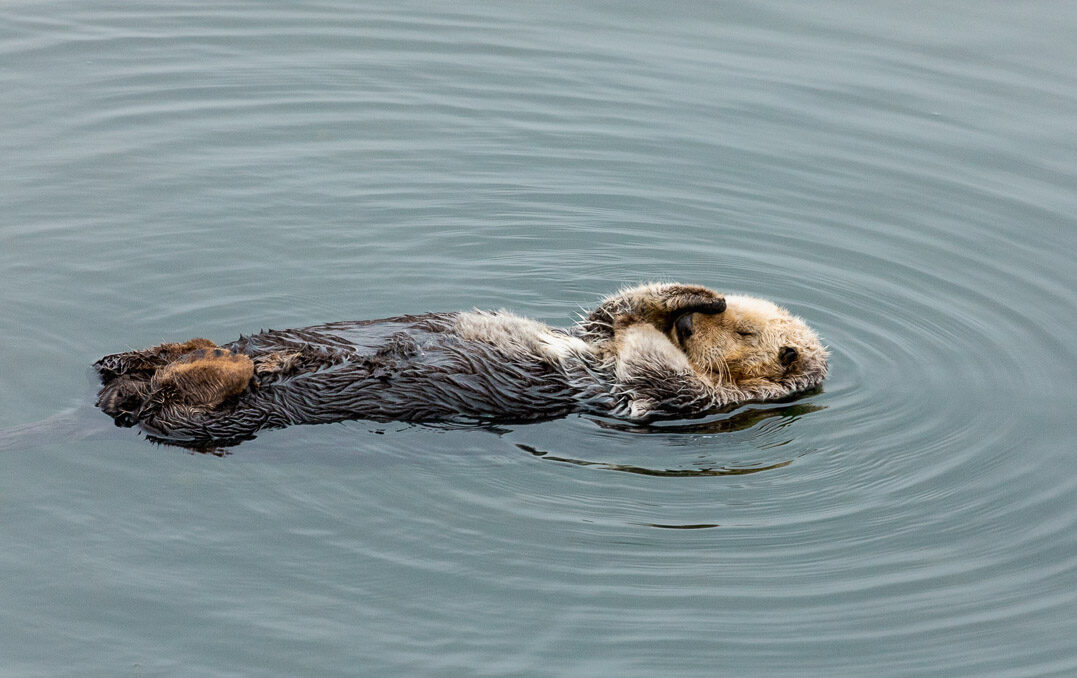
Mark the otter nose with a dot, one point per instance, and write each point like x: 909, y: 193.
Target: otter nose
x: 786, y: 355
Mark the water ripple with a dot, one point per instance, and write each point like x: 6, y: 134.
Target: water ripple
x: 903, y: 182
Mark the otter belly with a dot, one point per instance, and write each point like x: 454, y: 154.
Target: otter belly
x: 411, y: 368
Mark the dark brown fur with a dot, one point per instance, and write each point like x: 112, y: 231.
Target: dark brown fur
x: 660, y: 350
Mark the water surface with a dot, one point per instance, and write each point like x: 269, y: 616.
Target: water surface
x: 899, y: 176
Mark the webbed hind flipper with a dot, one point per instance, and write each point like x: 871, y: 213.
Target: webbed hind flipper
x: 202, y: 379
x: 126, y: 377
x: 147, y: 360
x: 122, y: 397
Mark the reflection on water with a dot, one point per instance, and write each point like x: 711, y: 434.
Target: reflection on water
x: 702, y: 526
x: 665, y: 473
x: 745, y: 419
x: 739, y: 421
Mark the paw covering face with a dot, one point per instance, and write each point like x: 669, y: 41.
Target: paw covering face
x: 742, y: 346
x: 659, y: 305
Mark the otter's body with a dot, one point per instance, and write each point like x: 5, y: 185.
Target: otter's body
x: 416, y: 368
x: 631, y: 358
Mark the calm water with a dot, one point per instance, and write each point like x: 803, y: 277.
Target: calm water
x: 900, y: 175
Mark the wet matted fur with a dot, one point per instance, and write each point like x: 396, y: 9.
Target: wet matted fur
x: 647, y: 352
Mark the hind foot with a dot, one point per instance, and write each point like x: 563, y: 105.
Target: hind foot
x: 122, y: 398
x: 147, y: 360
x: 202, y: 378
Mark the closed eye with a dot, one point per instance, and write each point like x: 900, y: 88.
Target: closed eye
x: 746, y: 334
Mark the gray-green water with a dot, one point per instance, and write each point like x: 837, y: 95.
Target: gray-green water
x: 899, y: 174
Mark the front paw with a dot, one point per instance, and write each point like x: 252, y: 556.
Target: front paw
x: 661, y: 305
x: 680, y: 300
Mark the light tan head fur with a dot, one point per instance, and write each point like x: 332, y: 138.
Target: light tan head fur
x: 742, y: 347
x: 754, y: 346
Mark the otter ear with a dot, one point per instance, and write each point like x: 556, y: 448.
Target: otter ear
x: 658, y: 305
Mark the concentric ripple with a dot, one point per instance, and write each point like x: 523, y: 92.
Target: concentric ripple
x: 900, y: 177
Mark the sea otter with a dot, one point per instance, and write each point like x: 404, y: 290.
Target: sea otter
x: 648, y: 352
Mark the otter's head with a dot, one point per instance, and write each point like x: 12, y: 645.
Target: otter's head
x: 752, y: 346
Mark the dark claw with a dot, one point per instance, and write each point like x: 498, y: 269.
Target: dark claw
x: 684, y: 327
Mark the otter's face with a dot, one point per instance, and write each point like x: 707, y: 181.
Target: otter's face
x: 753, y: 346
